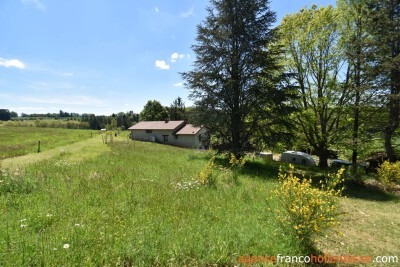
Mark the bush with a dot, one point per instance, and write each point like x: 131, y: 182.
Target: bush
x: 389, y: 174
x: 303, y: 211
x: 206, y: 176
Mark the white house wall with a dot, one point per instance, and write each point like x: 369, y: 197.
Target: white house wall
x: 186, y: 141
x: 190, y: 140
x: 142, y: 135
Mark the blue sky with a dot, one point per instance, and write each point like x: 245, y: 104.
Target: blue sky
x: 100, y: 56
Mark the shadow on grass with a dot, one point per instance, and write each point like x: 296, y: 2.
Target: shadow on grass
x: 367, y: 192
x: 266, y: 170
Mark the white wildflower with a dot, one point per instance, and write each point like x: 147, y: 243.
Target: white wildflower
x: 66, y: 246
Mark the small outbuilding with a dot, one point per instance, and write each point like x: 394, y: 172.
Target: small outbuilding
x: 297, y: 157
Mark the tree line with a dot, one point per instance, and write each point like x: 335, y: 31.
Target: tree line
x: 153, y: 110
x: 327, y: 78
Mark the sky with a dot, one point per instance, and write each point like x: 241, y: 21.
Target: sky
x: 101, y: 56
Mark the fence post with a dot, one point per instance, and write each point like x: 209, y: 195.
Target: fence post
x: 38, y: 150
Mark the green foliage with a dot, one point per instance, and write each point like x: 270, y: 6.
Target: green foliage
x: 113, y: 125
x: 177, y: 110
x: 305, y: 212
x: 236, y: 82
x: 5, y: 115
x: 49, y: 123
x: 389, y: 174
x: 384, y: 25
x: 314, y: 55
x: 153, y: 111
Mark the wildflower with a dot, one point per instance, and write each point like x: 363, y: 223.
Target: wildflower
x: 77, y: 225
x: 23, y: 225
x: 49, y: 215
x: 23, y: 220
x: 66, y: 246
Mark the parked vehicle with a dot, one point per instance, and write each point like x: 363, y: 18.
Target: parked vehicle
x: 297, y: 157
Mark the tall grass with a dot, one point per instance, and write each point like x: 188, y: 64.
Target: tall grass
x: 17, y: 141
x: 124, y: 208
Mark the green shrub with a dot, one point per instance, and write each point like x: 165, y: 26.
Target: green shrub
x: 389, y: 174
x: 303, y: 211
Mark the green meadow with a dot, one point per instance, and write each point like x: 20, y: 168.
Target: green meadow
x: 18, y: 141
x: 129, y: 203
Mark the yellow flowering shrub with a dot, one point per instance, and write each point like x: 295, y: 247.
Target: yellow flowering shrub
x: 389, y: 173
x: 236, y: 163
x: 206, y: 176
x: 305, y: 211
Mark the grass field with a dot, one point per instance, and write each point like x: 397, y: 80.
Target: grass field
x: 124, y: 205
x: 18, y: 141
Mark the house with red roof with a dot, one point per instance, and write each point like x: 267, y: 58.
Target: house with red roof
x: 177, y: 133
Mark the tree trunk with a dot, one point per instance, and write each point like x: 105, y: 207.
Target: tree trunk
x: 323, y: 159
x: 356, y: 124
x: 388, y: 145
x: 394, y: 112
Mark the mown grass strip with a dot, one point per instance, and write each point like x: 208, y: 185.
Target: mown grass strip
x: 82, y: 150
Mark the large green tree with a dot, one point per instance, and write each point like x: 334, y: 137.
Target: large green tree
x: 235, y: 80
x: 357, y: 53
x: 153, y: 111
x: 384, y: 28
x: 5, y: 115
x: 314, y: 55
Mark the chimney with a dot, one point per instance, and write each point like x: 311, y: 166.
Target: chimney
x: 166, y: 120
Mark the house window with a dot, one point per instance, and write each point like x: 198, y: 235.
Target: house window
x: 165, y: 138
x: 149, y: 131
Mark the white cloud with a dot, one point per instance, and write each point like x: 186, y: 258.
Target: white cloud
x: 178, y: 84
x: 156, y: 9
x: 161, y: 64
x: 175, y: 56
x: 68, y: 74
x: 25, y: 109
x: 75, y: 100
x: 50, y: 86
x: 12, y: 63
x: 188, y: 13
x: 36, y: 3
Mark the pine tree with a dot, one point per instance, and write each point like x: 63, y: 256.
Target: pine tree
x: 236, y: 75
x: 384, y: 27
